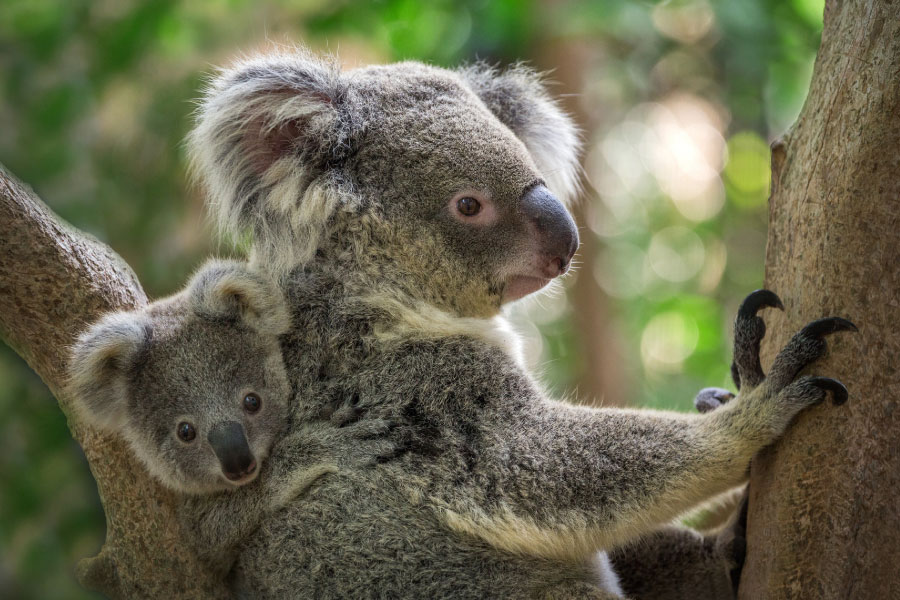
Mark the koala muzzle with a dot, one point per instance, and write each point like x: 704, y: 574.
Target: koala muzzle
x: 558, y: 236
x: 230, y: 445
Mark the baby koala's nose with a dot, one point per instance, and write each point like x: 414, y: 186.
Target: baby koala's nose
x: 230, y: 445
x: 242, y: 471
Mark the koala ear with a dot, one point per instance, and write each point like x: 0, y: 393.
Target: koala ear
x: 518, y: 97
x: 267, y: 128
x: 99, y: 366
x: 232, y: 291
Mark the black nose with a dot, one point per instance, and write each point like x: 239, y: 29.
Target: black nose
x: 554, y: 225
x: 230, y: 445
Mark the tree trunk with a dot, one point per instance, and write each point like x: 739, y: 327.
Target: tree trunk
x: 54, y: 281
x: 824, y: 518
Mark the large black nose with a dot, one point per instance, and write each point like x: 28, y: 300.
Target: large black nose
x: 554, y: 225
x: 230, y: 445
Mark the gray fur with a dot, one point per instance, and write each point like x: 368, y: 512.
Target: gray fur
x: 458, y: 476
x: 192, y: 358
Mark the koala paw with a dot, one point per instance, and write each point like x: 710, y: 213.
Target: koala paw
x: 711, y: 398
x: 805, y: 347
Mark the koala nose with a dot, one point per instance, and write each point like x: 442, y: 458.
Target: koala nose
x: 230, y: 445
x: 554, y: 225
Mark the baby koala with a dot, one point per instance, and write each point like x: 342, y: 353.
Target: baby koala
x: 194, y: 382
x: 197, y: 385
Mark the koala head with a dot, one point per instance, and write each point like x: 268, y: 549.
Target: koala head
x: 449, y: 185
x: 195, y: 382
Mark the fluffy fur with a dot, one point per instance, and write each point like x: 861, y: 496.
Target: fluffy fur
x: 458, y: 477
x: 191, y: 358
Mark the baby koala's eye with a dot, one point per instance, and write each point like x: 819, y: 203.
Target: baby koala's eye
x: 468, y: 206
x: 252, y: 403
x: 186, y: 431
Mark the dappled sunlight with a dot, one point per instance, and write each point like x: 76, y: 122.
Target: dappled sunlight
x: 676, y: 254
x: 668, y: 339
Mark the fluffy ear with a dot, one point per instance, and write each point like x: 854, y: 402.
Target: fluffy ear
x: 232, y: 291
x: 519, y: 98
x: 268, y: 128
x: 99, y: 366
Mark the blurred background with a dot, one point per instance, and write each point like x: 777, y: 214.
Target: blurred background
x: 678, y: 101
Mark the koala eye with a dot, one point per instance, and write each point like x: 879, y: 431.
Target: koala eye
x: 252, y: 403
x: 186, y: 431
x: 468, y: 206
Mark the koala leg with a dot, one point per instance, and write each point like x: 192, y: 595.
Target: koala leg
x: 674, y: 563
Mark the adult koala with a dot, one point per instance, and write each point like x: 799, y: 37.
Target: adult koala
x: 402, y: 206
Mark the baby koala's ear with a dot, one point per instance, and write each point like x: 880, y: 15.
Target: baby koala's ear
x: 230, y: 290
x: 99, y: 366
x: 266, y: 128
x: 518, y: 97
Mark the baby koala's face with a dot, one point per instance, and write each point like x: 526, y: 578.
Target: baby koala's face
x: 207, y: 401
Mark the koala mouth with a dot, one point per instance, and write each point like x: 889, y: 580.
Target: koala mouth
x: 520, y: 286
x: 239, y: 479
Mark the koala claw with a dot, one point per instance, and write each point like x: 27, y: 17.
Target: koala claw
x: 757, y: 300
x: 806, y: 346
x: 749, y: 330
x: 826, y: 326
x: 711, y: 398
x: 838, y: 391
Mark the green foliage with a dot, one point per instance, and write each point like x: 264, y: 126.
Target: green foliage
x: 95, y: 100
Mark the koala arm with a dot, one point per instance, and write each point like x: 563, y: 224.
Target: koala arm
x: 570, y: 480
x: 566, y: 480
x: 218, y: 523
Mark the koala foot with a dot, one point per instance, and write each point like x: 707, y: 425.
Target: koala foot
x: 711, y: 398
x: 731, y: 543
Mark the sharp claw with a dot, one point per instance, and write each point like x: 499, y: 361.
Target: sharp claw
x: 838, y: 391
x: 827, y: 326
x: 756, y: 300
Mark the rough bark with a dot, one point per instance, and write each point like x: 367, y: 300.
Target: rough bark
x: 824, y: 518
x: 54, y: 280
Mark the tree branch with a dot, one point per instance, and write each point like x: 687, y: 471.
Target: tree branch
x: 54, y: 281
x: 824, y: 516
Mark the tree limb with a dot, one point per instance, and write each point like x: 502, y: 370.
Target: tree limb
x: 54, y: 281
x: 824, y: 520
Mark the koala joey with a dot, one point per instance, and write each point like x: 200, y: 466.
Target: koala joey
x: 194, y: 382
x: 401, y: 207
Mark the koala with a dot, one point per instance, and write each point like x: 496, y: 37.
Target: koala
x: 196, y: 385
x: 194, y: 382
x: 401, y: 209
